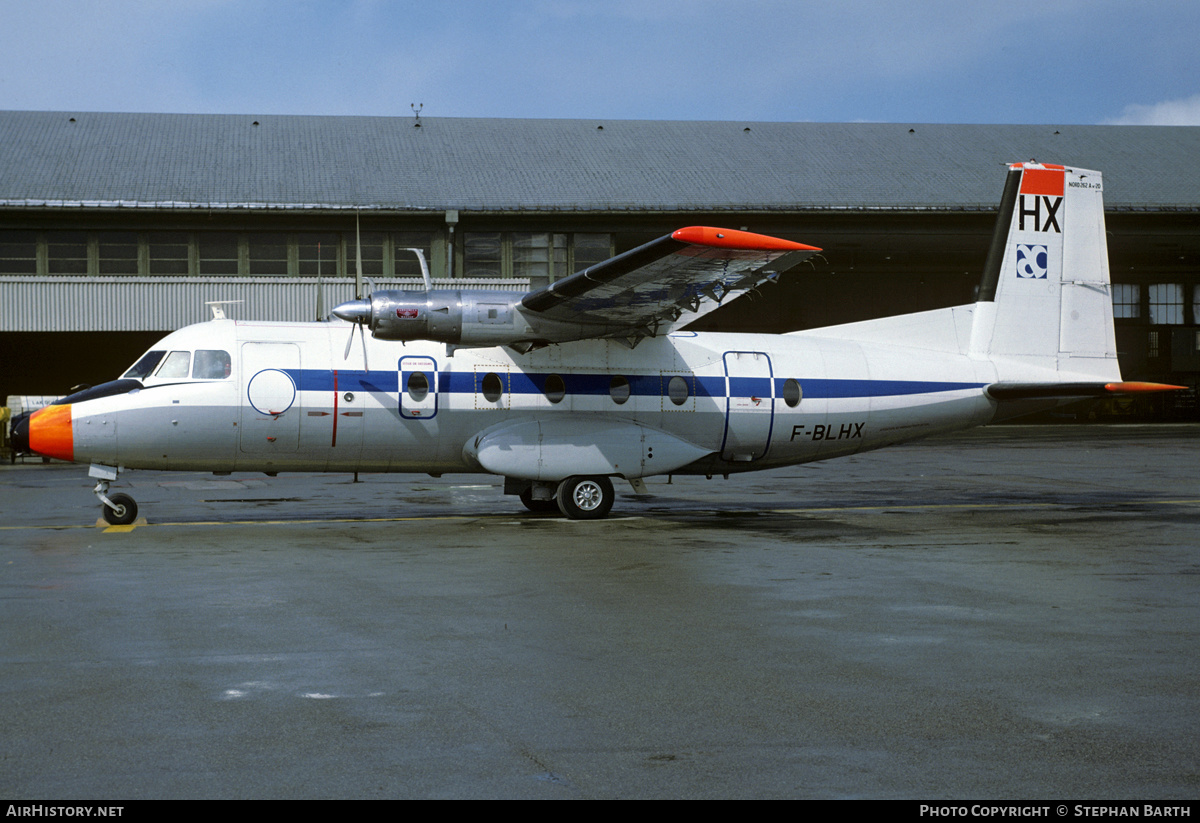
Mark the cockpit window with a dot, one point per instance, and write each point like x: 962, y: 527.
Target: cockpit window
x: 177, y: 364
x: 144, y: 366
x: 211, y: 365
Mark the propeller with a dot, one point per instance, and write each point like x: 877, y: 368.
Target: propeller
x: 357, y: 311
x: 320, y: 288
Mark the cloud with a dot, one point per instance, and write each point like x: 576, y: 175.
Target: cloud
x: 1182, y: 112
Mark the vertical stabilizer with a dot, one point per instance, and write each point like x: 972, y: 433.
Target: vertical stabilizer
x: 1045, y: 307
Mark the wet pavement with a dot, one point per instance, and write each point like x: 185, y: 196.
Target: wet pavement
x: 1011, y: 613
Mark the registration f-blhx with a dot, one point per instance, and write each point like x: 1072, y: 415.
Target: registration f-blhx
x: 590, y: 379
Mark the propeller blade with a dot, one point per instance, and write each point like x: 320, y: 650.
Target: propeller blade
x: 320, y: 288
x: 349, y: 341
x: 363, y: 335
x: 357, y: 259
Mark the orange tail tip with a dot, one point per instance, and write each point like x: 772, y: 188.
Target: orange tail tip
x: 734, y: 239
x: 1134, y: 387
x: 50, y: 432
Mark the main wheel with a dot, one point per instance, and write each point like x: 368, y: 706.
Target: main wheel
x: 124, y: 513
x: 550, y: 505
x: 585, y: 498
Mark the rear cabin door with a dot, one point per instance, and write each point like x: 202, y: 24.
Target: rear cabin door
x: 749, y: 406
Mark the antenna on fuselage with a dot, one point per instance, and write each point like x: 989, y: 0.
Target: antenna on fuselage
x: 218, y: 312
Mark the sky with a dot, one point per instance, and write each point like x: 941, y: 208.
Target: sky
x: 918, y: 61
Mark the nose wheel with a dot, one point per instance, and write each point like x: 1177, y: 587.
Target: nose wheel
x: 123, y: 511
x: 118, y: 509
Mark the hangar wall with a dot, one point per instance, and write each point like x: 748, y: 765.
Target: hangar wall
x: 103, y: 250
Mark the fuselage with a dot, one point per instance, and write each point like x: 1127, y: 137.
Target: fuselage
x: 243, y: 396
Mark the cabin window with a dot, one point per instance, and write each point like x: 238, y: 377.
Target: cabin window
x: 677, y: 390
x: 418, y: 386
x: 618, y: 389
x: 555, y: 389
x: 211, y: 364
x: 493, y: 387
x: 177, y: 364
x: 144, y: 366
x: 792, y: 393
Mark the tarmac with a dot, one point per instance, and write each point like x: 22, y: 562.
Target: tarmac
x: 1007, y: 613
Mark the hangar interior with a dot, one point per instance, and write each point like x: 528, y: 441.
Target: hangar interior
x: 116, y: 228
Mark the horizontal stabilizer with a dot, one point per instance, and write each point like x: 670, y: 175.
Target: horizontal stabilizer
x: 1047, y: 391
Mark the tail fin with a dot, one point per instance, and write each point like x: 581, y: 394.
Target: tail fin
x: 1045, y: 309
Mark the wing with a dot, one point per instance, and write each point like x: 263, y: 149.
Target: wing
x: 670, y: 281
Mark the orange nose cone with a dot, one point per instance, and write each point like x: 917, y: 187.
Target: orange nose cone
x: 50, y: 432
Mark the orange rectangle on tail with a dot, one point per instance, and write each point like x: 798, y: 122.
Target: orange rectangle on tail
x: 1049, y: 182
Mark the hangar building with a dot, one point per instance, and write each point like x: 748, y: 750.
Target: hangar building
x: 116, y: 228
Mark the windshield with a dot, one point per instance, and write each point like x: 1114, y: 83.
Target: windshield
x: 144, y: 366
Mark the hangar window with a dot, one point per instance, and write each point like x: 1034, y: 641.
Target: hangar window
x: 18, y: 252
x: 211, y: 364
x: 67, y: 252
x: 483, y: 254
x: 418, y: 386
x: 372, y: 253
x: 217, y: 253
x: 677, y: 390
x: 1127, y: 300
x: 492, y: 386
x: 1166, y: 304
x: 406, y: 261
x: 618, y: 389
x: 555, y: 388
x: 318, y: 253
x: 268, y: 254
x: 792, y: 393
x: 168, y: 252
x: 539, y: 257
x: 118, y: 253
x: 588, y: 249
x: 177, y: 364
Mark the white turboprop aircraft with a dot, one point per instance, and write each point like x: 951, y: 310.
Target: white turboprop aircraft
x: 563, y: 389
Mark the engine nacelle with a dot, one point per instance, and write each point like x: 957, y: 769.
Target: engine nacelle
x: 461, y: 317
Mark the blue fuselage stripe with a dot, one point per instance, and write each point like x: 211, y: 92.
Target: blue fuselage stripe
x: 648, y: 385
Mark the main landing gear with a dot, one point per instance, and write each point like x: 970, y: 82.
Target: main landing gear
x: 581, y: 497
x: 117, y: 509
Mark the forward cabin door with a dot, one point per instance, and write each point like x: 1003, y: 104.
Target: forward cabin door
x: 270, y: 404
x: 749, y: 406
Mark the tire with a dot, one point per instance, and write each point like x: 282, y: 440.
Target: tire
x: 125, y: 512
x: 527, y: 500
x: 585, y: 497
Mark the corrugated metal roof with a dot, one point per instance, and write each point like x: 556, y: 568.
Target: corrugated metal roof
x: 173, y: 161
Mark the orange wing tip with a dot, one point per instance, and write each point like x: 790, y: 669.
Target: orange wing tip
x: 50, y: 432
x: 1130, y: 388
x: 734, y: 239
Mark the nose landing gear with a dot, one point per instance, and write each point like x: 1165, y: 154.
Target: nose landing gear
x: 119, y: 509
